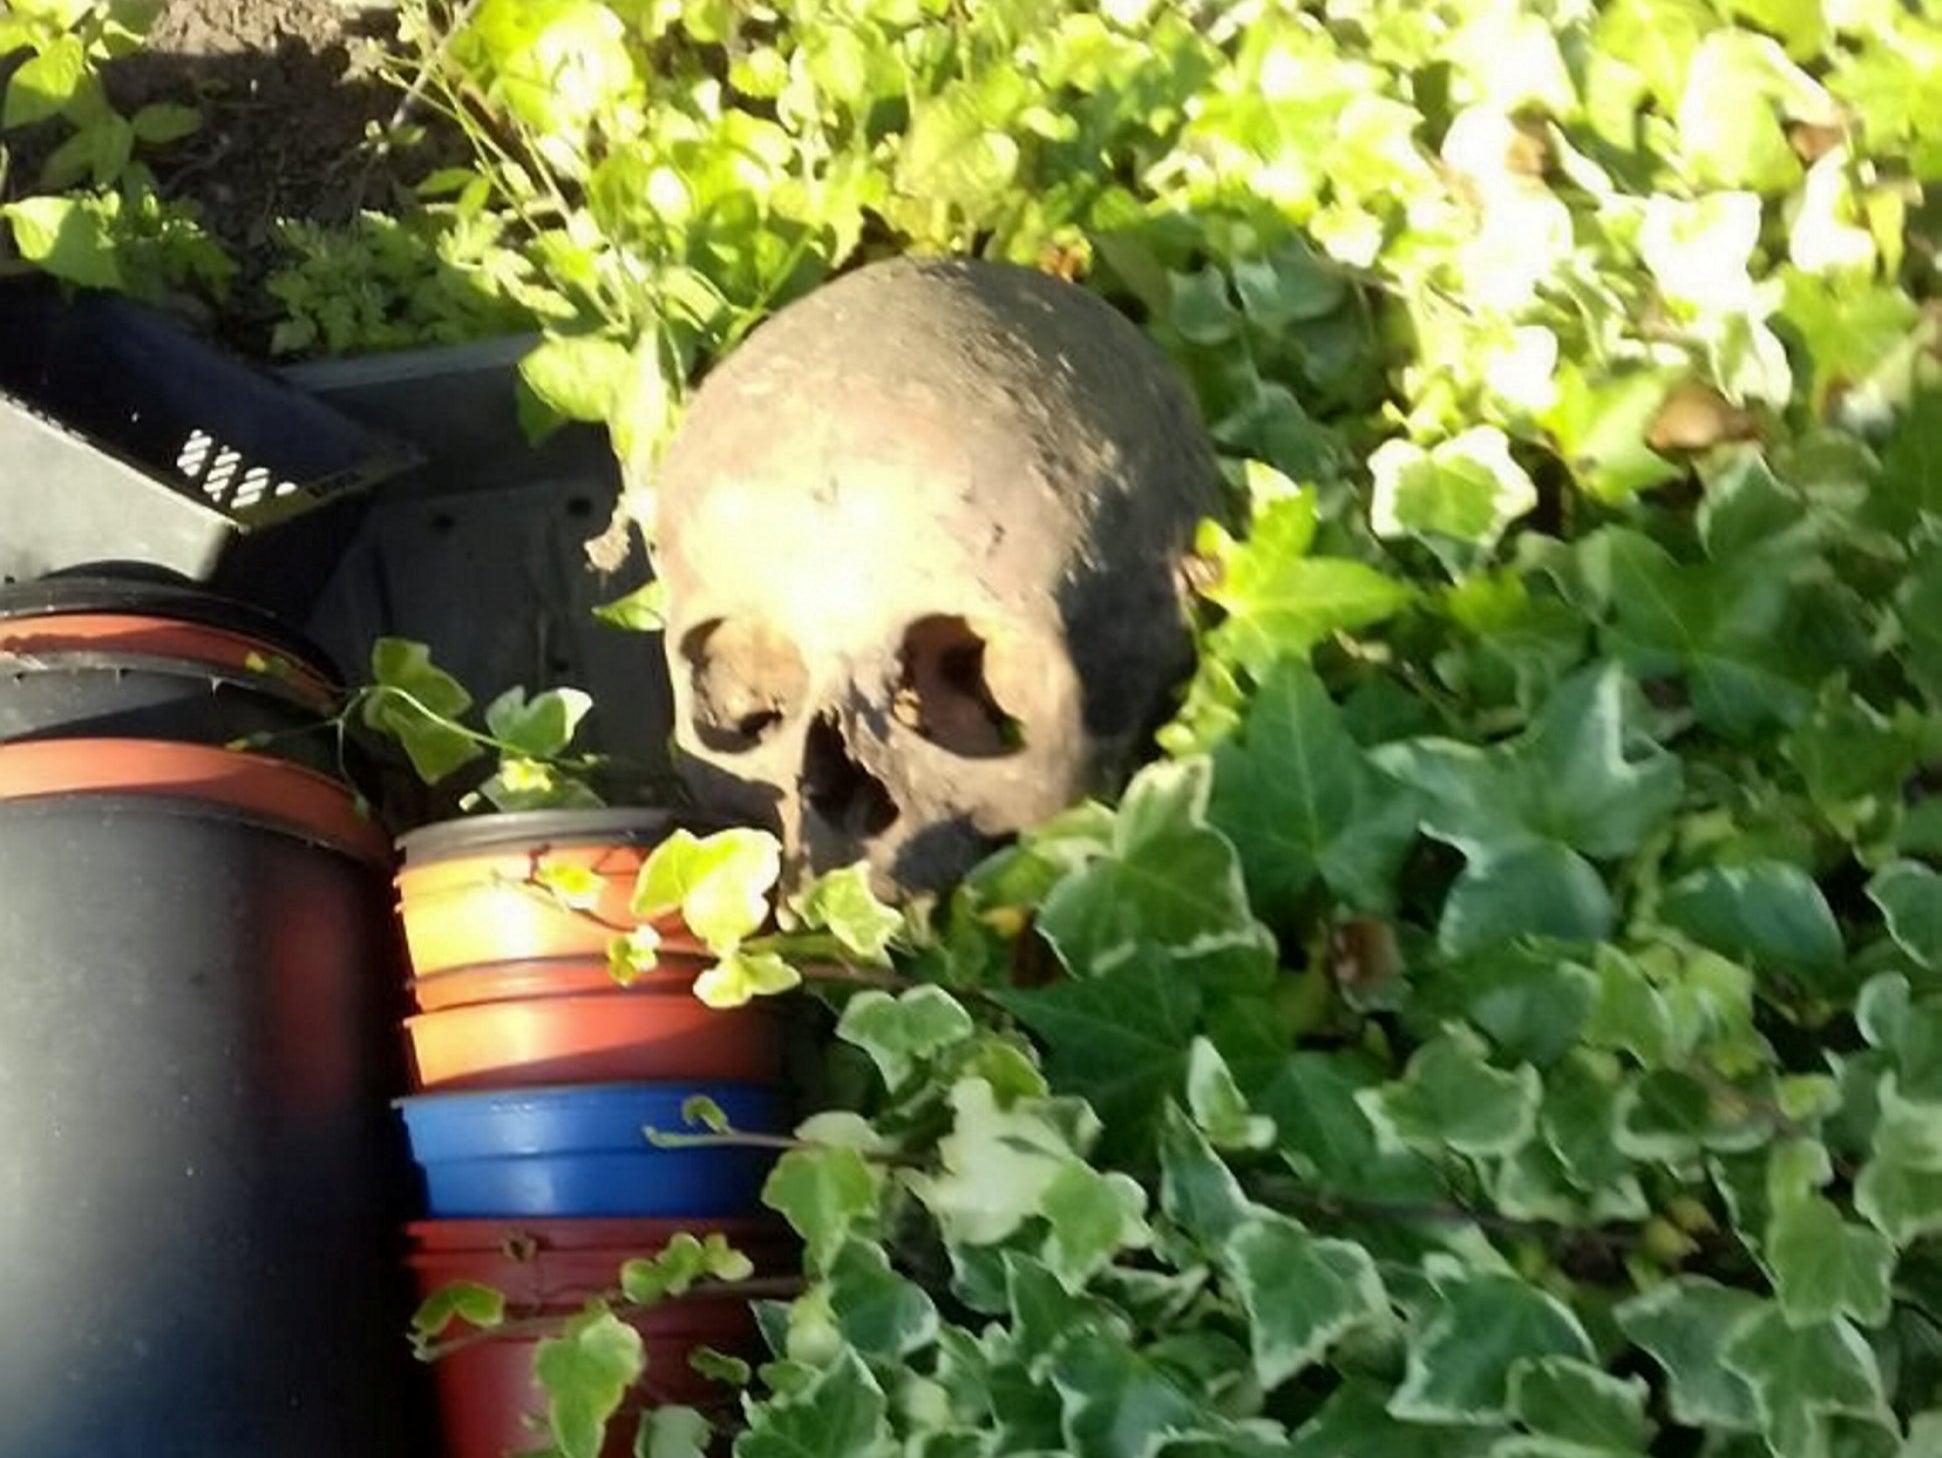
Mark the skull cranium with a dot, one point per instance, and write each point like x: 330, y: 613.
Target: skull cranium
x: 921, y: 537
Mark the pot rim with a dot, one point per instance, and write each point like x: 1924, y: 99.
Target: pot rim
x: 201, y: 779
x: 162, y: 665
x: 539, y: 830
x: 100, y: 590
x: 228, y: 647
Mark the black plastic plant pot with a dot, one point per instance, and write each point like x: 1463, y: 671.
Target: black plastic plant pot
x: 70, y: 695
x: 201, y: 1181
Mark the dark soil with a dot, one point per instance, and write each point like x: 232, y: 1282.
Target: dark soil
x: 287, y: 95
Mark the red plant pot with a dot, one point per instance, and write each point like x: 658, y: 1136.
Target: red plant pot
x: 605, y: 1037
x: 553, y: 1264
x: 490, y: 1406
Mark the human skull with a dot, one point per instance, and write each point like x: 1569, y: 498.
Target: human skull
x: 921, y: 537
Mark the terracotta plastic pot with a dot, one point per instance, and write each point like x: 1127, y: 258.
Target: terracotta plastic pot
x: 133, y: 696
x: 604, y: 1037
x: 126, y: 589
x: 533, y: 1272
x: 472, y: 892
x: 490, y: 1406
x: 446, y: 1237
x: 157, y: 637
x: 551, y: 977
x: 279, y: 793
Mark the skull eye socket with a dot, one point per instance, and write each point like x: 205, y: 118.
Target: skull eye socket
x: 747, y: 681
x: 945, y: 695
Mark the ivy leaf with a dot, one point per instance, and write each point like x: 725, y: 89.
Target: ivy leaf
x: 1170, y: 882
x: 1803, y: 1375
x: 1729, y: 114
x: 1356, y: 1422
x: 1602, y: 424
x: 824, y: 1194
x: 1576, y: 784
x: 669, y: 1430
x: 900, y: 1032
x: 1478, y: 1327
x: 1686, y: 1325
x: 840, y: 1413
x: 1450, y: 1097
x: 539, y: 729
x: 1580, y: 1404
x: 586, y: 1371
x: 1769, y: 912
x: 1466, y: 489
x: 740, y: 977
x: 1824, y: 1267
x: 1218, y: 1105
x: 1301, y: 800
x: 1315, y: 1100
x: 163, y: 122
x: 949, y: 154
x: 1910, y: 897
x: 842, y: 903
x: 644, y: 610
x: 474, y: 1304
x: 1198, y: 1191
x: 720, y: 885
x: 1279, y: 601
x: 1302, y: 1293
x: 1718, y: 624
x: 579, y: 376
x: 1093, y: 1217
x: 996, y: 1164
x: 1116, y: 1405
x: 418, y: 704
x: 46, y: 84
x: 1899, y: 1189
x: 880, y: 1313
x: 1117, y: 1041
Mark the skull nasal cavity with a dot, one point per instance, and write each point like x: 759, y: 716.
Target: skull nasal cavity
x: 944, y: 694
x: 842, y: 792
x: 747, y: 680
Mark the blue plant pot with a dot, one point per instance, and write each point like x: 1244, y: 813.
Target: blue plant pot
x: 584, y: 1151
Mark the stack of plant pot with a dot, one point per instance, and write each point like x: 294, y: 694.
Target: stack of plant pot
x: 199, y: 1176
x: 539, y: 1079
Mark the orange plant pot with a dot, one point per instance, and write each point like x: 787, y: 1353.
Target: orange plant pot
x: 553, y: 977
x: 603, y: 1037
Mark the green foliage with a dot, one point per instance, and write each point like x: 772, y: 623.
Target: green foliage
x: 93, y: 217
x: 1507, y: 1020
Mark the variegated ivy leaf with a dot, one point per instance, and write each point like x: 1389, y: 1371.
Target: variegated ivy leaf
x: 1451, y: 1097
x: 1466, y: 489
x: 1170, y: 883
x: 719, y: 884
x: 1217, y: 1104
x: 1302, y: 1292
x: 1472, y: 1335
x: 999, y: 1163
x: 741, y: 977
x: 901, y: 1032
x: 842, y: 903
